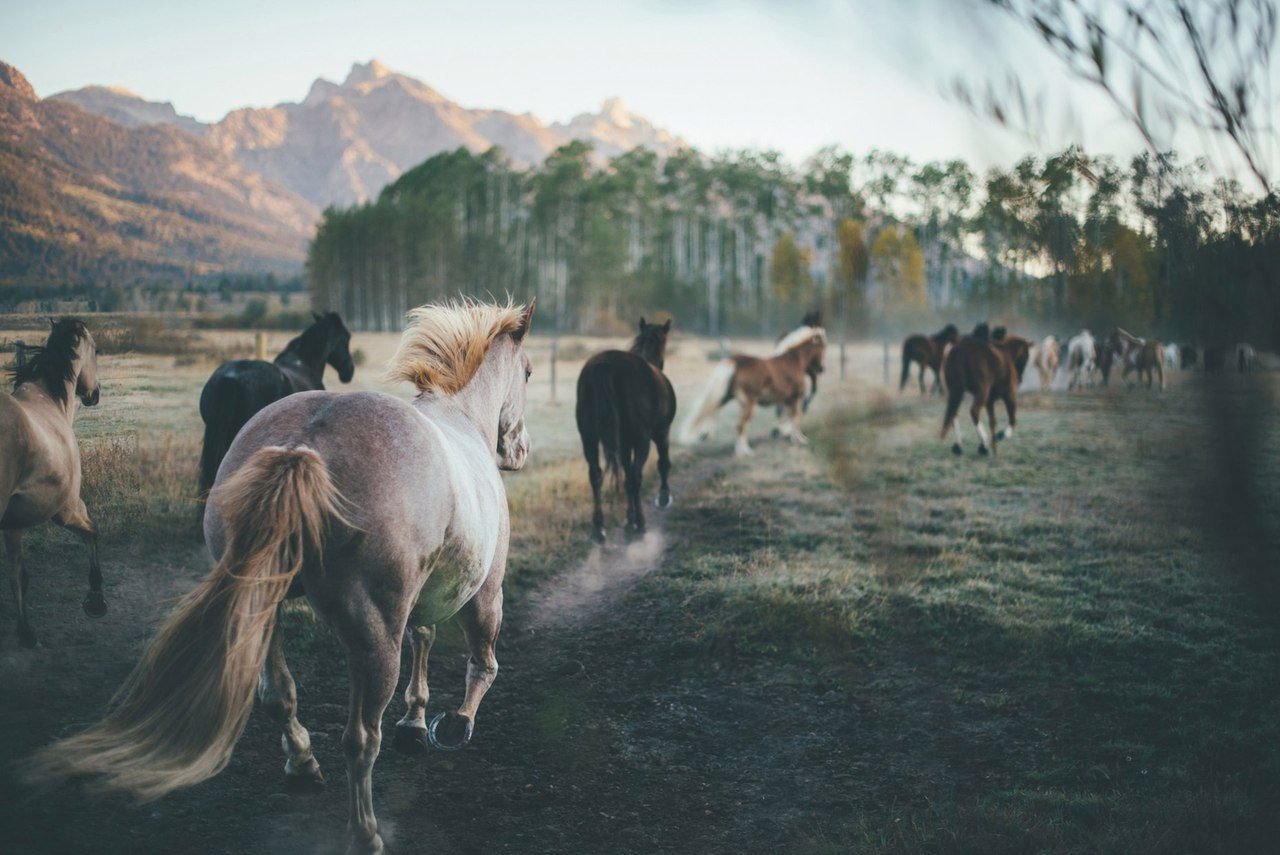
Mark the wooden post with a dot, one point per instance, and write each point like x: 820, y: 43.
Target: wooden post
x: 19, y: 353
x: 555, y: 346
x: 260, y: 345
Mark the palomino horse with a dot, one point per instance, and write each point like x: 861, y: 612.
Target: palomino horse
x: 625, y: 402
x: 367, y: 504
x: 784, y: 380
x: 1141, y: 355
x: 39, y: 457
x: 237, y: 390
x: 1081, y: 360
x: 1046, y: 361
x: 926, y: 351
x: 990, y: 371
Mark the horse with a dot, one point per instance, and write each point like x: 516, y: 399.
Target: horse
x: 927, y: 351
x: 810, y: 322
x: 1106, y: 352
x: 625, y: 402
x: 990, y: 371
x: 1081, y: 359
x: 39, y: 457
x: 1245, y: 357
x: 1138, y: 354
x: 239, y: 389
x: 1214, y: 358
x: 1172, y: 356
x: 1188, y: 356
x: 784, y: 379
x: 1046, y: 360
x: 374, y: 508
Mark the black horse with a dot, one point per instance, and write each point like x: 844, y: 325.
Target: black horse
x: 239, y: 389
x: 624, y: 403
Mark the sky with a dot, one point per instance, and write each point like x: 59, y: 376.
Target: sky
x: 792, y: 76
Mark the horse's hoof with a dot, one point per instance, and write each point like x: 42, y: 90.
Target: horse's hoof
x: 599, y: 536
x: 662, y: 501
x: 956, y: 449
x: 449, y: 731
x: 1001, y: 436
x: 95, y: 605
x: 27, y: 637
x: 369, y: 846
x: 775, y: 433
x: 411, y: 739
x: 983, y: 450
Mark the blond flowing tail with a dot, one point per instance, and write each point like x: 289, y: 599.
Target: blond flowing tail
x: 713, y: 398
x: 176, y: 719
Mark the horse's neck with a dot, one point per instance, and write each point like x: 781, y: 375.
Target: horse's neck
x: 37, y: 395
x: 304, y: 358
x: 476, y: 405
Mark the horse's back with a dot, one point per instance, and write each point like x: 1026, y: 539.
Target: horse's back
x: 253, y: 382
x: 643, y: 393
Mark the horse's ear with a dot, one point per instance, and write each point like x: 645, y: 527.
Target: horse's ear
x: 666, y: 327
x: 317, y: 316
x: 642, y: 323
x: 526, y: 319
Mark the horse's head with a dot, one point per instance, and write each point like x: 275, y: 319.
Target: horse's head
x: 813, y: 353
x: 651, y: 343
x: 338, y: 345
x: 812, y: 319
x: 88, y: 389
x: 515, y: 370
x: 1019, y: 350
x: 949, y: 334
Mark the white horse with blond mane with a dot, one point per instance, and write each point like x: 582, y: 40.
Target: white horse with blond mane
x: 367, y: 505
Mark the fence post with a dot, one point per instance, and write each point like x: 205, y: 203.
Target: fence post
x: 260, y: 345
x: 19, y: 353
x: 555, y: 346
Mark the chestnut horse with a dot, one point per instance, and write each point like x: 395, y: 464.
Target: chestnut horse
x: 1141, y: 355
x: 927, y: 351
x: 377, y: 510
x: 625, y: 402
x: 990, y: 371
x: 784, y: 379
x: 39, y: 457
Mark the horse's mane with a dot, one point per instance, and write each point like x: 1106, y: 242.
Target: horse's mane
x: 446, y: 342
x: 54, y: 362
x: 797, y: 337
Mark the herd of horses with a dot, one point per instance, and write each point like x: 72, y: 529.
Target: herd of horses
x: 389, y: 515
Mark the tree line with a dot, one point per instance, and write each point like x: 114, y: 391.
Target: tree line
x: 742, y: 241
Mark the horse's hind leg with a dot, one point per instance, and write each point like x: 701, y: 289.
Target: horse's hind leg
x: 991, y: 421
x: 635, y: 475
x: 373, y: 660
x: 481, y: 620
x: 279, y: 696
x: 591, y: 450
x: 411, y: 731
x: 975, y: 412
x: 13, y: 546
x: 77, y: 521
x: 1011, y: 410
x: 662, y: 442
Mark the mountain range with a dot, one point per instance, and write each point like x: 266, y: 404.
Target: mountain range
x: 99, y: 183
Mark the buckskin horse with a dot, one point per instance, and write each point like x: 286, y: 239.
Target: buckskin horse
x: 926, y: 351
x: 783, y: 379
x: 375, y: 508
x: 39, y: 457
x: 237, y: 390
x: 625, y: 403
x: 990, y: 371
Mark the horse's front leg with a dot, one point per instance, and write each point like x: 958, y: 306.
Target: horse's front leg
x: 13, y: 546
x: 411, y: 731
x: 795, y: 434
x: 748, y: 405
x: 481, y: 620
x: 77, y: 520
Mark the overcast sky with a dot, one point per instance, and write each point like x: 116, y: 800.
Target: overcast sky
x: 789, y: 75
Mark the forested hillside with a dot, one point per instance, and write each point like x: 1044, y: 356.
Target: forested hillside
x: 742, y: 241
x: 84, y: 200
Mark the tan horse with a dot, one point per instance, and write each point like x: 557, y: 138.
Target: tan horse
x: 389, y: 516
x: 39, y: 457
x: 1141, y: 355
x: 783, y: 380
x: 1046, y: 361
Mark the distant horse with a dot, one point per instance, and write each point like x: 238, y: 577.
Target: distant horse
x: 1172, y: 356
x: 1189, y: 356
x: 379, y: 511
x: 784, y: 380
x: 39, y: 457
x: 1081, y: 356
x: 1046, y: 360
x: 926, y: 351
x: 811, y: 321
x: 1245, y: 357
x: 990, y: 371
x: 238, y: 390
x: 1214, y: 359
x: 1141, y: 355
x: 624, y: 403
x: 1106, y: 352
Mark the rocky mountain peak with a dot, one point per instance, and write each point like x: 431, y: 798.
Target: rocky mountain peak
x: 366, y: 72
x: 13, y: 79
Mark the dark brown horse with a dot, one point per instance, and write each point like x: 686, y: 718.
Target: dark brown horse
x: 926, y: 351
x: 624, y: 403
x: 990, y: 371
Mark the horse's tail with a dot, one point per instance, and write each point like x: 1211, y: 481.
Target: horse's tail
x: 228, y: 412
x: 608, y: 423
x: 178, y: 715
x: 713, y: 398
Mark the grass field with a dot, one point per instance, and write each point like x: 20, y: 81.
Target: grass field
x: 864, y: 645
